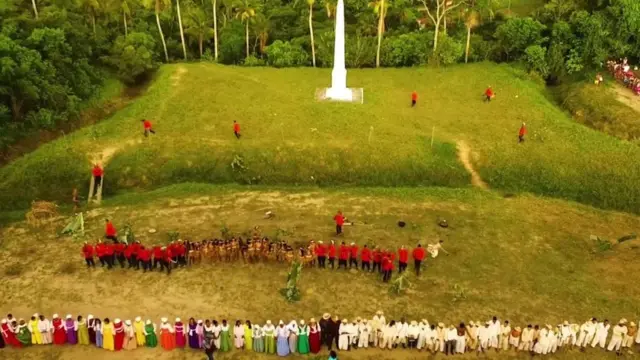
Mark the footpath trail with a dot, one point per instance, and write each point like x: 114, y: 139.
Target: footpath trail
x: 464, y: 155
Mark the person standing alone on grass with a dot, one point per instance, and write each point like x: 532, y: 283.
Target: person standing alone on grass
x: 97, y: 177
x: 489, y: 94
x: 148, y: 128
x: 522, y: 133
x: 339, y: 219
x: 414, y: 98
x: 236, y: 129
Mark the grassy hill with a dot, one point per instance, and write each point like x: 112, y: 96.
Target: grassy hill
x: 290, y: 139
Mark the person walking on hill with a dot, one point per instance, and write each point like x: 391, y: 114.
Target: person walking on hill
x: 97, y: 177
x: 414, y: 98
x: 339, y: 219
x: 148, y: 128
x: 87, y: 250
x: 489, y: 94
x: 522, y: 133
x: 236, y: 129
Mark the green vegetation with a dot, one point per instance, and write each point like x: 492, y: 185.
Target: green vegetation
x: 290, y: 139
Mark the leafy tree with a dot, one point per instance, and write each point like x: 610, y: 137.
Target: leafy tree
x: 475, y: 12
x: 159, y: 6
x: 245, y: 12
x: 516, y: 34
x: 285, y: 54
x: 442, y: 8
x: 535, y: 56
x: 198, y: 26
x: 133, y: 56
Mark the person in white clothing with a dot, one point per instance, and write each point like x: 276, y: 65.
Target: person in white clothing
x: 619, y: 331
x: 494, y: 332
x: 461, y: 341
x: 602, y: 331
x: 388, y: 335
x: 365, y: 332
x: 484, y: 335
x: 514, y: 337
x: 505, y: 332
x: 554, y: 339
x: 344, y: 333
x: 402, y: 328
x: 238, y: 335
x: 413, y: 333
x: 354, y: 335
x: 526, y: 340
x: 377, y: 326
x: 586, y: 333
x: 565, y: 334
x: 423, y: 334
x: 542, y: 346
x: 629, y: 338
x: 45, y: 329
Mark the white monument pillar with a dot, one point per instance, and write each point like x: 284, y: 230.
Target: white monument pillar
x: 338, y: 90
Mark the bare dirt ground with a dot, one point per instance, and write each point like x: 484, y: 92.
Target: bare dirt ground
x: 464, y: 155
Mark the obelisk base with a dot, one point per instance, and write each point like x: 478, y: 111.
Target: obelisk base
x: 352, y: 95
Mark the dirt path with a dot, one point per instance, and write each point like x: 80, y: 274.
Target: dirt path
x: 464, y: 155
x: 627, y: 97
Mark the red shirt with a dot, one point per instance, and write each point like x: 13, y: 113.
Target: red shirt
x: 377, y: 256
x: 97, y: 171
x: 344, y: 252
x: 135, y: 249
x: 100, y: 249
x: 523, y: 131
x: 168, y: 255
x: 332, y: 251
x: 365, y: 255
x: 120, y: 248
x: 418, y: 253
x: 157, y: 252
x: 403, y: 255
x: 489, y: 92
x: 339, y: 218
x: 354, y: 251
x: 147, y: 124
x: 127, y: 251
x: 110, y: 230
x: 109, y: 249
x: 321, y: 250
x: 236, y: 127
x: 386, y: 263
x: 87, y: 250
x: 180, y: 249
x: 144, y: 254
x: 414, y: 96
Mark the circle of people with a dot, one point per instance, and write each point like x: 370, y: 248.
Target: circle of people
x: 302, y: 338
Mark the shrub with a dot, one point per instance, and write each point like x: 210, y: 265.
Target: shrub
x: 132, y: 56
x: 405, y: 50
x: 360, y: 51
x: 535, y: 57
x: 285, y: 54
x: 231, y: 43
x: 253, y: 61
x: 449, y: 50
x: 516, y: 34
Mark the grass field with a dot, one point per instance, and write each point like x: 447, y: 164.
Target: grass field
x: 289, y: 139
x: 524, y: 258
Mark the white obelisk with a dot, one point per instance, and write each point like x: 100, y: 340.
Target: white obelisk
x: 338, y: 90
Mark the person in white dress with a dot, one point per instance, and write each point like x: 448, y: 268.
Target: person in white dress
x: 388, y: 335
x: 602, y: 331
x: 494, y: 330
x: 413, y: 333
x: 618, y: 333
x: 542, y: 346
x: 402, y: 327
x: 343, y: 335
x: 354, y: 335
x: 364, y: 330
x: 217, y: 329
x: 505, y: 332
x: 484, y: 335
x: 377, y: 326
x: 423, y: 334
x: 238, y: 335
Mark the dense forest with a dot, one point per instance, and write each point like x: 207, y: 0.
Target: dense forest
x: 55, y: 54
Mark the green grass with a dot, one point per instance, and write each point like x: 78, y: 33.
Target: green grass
x: 289, y: 139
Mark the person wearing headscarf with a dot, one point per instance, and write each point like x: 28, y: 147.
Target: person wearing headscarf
x: 238, y: 335
x: 618, y: 333
x: 303, y: 338
x: 377, y: 325
x: 83, y: 331
x: 217, y: 330
x: 269, y: 338
x: 389, y: 333
x: 8, y: 334
x: 450, y: 337
x: 150, y: 337
x: 138, y: 328
x: 59, y: 334
x: 70, y: 327
x: 248, y: 335
x: 91, y: 328
x: 364, y: 333
x: 107, y: 335
x: 36, y: 338
x: 129, y: 336
x: 258, y: 338
x: 194, y: 343
x: 441, y: 334
x: 225, y: 337
x: 401, y: 336
x: 345, y: 332
x: 167, y: 335
x: 181, y: 340
x: 97, y: 328
x: 602, y: 331
x: 424, y: 337
x: 22, y: 333
x: 200, y: 334
x: 118, y: 334
x: 629, y: 338
x: 293, y: 336
x: 315, y: 336
x: 282, y: 333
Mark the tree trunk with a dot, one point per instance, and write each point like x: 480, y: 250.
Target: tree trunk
x: 466, y: 51
x: 313, y: 46
x: 16, y: 108
x: 380, y: 28
x: 124, y: 19
x: 164, y: 44
x: 35, y: 8
x: 215, y: 30
x: 247, y: 36
x: 184, y: 47
x: 435, y: 36
x: 93, y: 23
x: 200, y: 41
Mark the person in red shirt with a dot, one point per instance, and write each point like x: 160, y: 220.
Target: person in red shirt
x: 387, y: 264
x: 344, y: 255
x: 167, y: 260
x: 321, y: 253
x: 101, y: 252
x: 120, y: 253
x: 110, y: 231
x: 418, y: 256
x: 522, y: 133
x: 332, y: 254
x: 144, y: 258
x: 353, y: 256
x: 134, y: 261
x: 403, y: 258
x: 148, y: 128
x: 87, y: 251
x: 97, y: 173
x: 365, y: 258
x: 377, y: 259
x: 489, y: 94
x: 339, y: 219
x: 236, y: 129
x: 157, y: 257
x: 181, y: 253
x: 109, y: 255
x: 414, y: 98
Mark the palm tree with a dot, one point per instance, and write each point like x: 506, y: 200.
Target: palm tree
x: 214, y: 4
x: 228, y: 9
x: 310, y: 3
x: 117, y: 5
x: 330, y: 6
x: 198, y: 26
x: 442, y: 7
x: 473, y: 17
x: 245, y: 12
x: 158, y: 6
x: 35, y: 8
x: 261, y: 27
x: 380, y: 8
x: 184, y: 47
x: 91, y: 7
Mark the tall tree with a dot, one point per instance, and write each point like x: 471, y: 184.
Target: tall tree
x: 380, y: 8
x: 441, y: 10
x: 198, y: 26
x: 474, y: 14
x: 159, y: 6
x: 184, y: 47
x: 214, y: 4
x: 124, y: 6
x: 261, y: 27
x: 245, y: 12
x: 35, y: 8
x: 91, y: 7
x: 330, y: 7
x: 310, y: 4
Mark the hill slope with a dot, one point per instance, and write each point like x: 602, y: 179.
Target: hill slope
x: 289, y: 138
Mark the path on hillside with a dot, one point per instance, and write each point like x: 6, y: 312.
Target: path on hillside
x: 464, y: 155
x: 627, y: 97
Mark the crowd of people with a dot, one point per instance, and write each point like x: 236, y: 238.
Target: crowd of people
x: 302, y: 337
x: 256, y: 248
x: 622, y: 71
